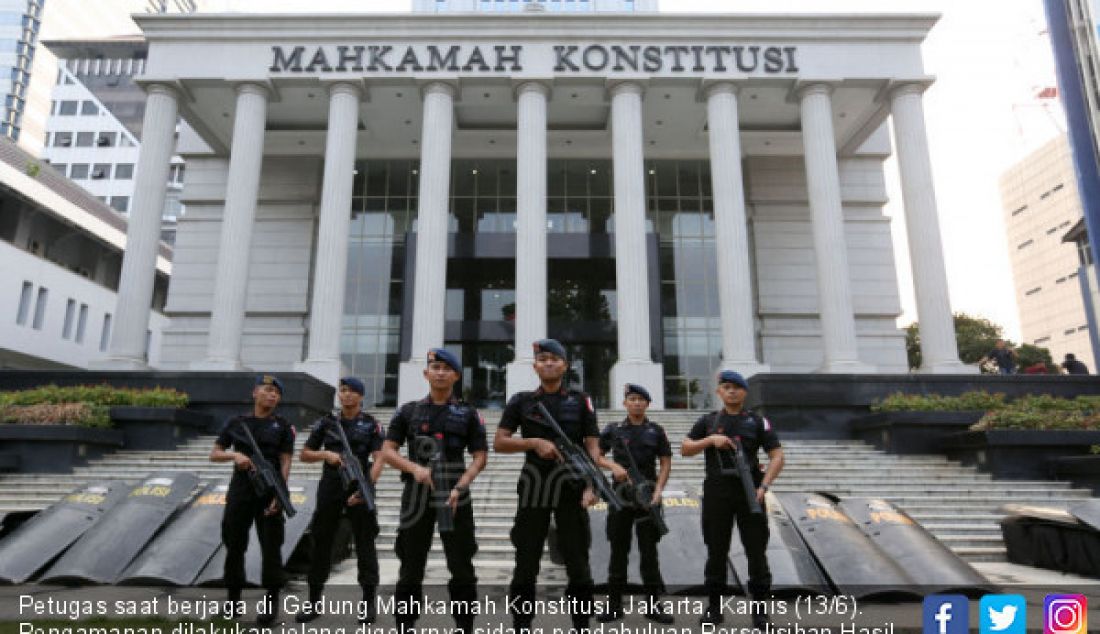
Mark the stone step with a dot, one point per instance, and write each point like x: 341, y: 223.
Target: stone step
x: 984, y: 528
x: 975, y: 554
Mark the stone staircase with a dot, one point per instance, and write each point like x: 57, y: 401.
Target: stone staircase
x: 957, y: 504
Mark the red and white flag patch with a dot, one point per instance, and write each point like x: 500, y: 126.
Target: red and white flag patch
x: 588, y: 401
x: 767, y: 424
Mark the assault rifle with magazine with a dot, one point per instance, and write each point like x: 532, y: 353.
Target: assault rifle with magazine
x: 265, y: 478
x: 351, y: 470
x: 641, y: 488
x: 580, y: 463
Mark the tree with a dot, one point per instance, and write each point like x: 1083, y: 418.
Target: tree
x: 975, y: 337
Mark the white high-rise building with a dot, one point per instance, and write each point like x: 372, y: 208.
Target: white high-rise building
x: 29, y: 71
x: 93, y: 135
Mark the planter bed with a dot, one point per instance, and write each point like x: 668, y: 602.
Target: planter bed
x: 911, y: 432
x: 158, y: 428
x: 57, y: 448
x: 1082, y: 471
x: 1018, y: 453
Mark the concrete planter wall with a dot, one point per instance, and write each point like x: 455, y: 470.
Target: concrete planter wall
x: 911, y: 432
x: 57, y: 448
x: 1018, y: 453
x: 1082, y: 471
x: 158, y: 428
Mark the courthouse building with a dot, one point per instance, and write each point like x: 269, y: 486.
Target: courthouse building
x: 667, y: 194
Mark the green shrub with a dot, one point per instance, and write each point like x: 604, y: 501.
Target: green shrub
x: 84, y: 405
x: 1036, y: 419
x: 966, y: 402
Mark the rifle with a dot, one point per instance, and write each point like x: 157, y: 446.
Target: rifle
x: 642, y: 488
x: 437, y: 464
x: 740, y: 468
x: 351, y: 470
x: 265, y: 479
x: 580, y: 463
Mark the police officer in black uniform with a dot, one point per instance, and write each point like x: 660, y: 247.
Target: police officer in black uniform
x: 440, y: 417
x: 275, y: 437
x: 333, y: 500
x: 724, y: 496
x: 647, y: 443
x: 546, y: 487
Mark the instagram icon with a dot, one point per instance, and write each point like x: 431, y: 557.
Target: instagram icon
x: 1065, y: 614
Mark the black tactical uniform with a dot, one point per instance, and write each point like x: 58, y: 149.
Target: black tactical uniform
x: 547, y: 488
x: 423, y: 425
x: 365, y: 435
x: 724, y: 500
x: 275, y: 436
x: 647, y: 442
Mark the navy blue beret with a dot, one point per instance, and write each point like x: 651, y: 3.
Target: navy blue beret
x: 354, y: 384
x: 439, y: 354
x: 729, y: 376
x: 269, y: 379
x: 553, y: 346
x: 634, y: 388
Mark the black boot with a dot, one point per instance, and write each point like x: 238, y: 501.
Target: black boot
x: 760, y: 621
x: 656, y: 613
x: 464, y: 623
x: 270, y: 613
x: 615, y: 609
x: 713, y: 615
x: 369, y: 614
x: 233, y: 604
x: 310, y: 611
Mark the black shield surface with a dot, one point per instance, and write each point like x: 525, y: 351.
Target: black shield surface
x: 103, y: 552
x: 40, y: 540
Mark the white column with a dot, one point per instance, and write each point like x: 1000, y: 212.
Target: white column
x: 939, y: 350
x: 139, y: 262
x: 631, y: 271
x: 838, y: 326
x: 326, y: 309
x: 431, y: 237
x: 231, y: 285
x: 735, y: 292
x: 531, y: 98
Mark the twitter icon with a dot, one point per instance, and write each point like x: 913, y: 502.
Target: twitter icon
x: 1003, y: 614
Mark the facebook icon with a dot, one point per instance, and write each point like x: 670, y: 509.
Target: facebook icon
x: 946, y: 614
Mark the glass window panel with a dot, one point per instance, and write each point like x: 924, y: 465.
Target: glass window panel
x: 688, y: 173
x: 599, y: 213
x: 455, y: 304
x: 487, y: 180
x: 506, y: 180
x: 359, y: 180
x: 494, y: 301
x: 666, y: 179
x: 599, y: 184
x: 555, y: 181
x: 463, y: 180
x: 576, y: 179
x: 398, y: 182
x: 375, y: 179
x: 463, y: 211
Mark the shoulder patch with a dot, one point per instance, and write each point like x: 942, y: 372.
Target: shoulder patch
x: 767, y: 423
x: 588, y: 402
x: 480, y: 419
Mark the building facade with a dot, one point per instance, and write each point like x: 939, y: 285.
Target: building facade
x: 28, y: 71
x: 1041, y: 204
x: 93, y: 134
x: 668, y: 194
x: 61, y: 251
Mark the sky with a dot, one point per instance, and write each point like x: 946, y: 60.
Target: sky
x: 988, y: 57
